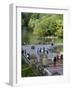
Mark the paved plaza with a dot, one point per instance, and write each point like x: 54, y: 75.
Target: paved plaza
x: 43, y: 58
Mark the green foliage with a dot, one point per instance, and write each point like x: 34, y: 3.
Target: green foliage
x: 28, y: 71
x: 35, y: 25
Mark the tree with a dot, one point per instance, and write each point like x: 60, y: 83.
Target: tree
x: 41, y: 25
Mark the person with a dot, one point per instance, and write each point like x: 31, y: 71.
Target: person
x: 61, y: 57
x: 22, y: 51
x: 54, y: 61
x: 43, y: 49
x: 57, y: 57
x: 47, y: 51
x: 52, y: 44
x: 25, y: 51
x: 28, y: 56
x: 38, y: 50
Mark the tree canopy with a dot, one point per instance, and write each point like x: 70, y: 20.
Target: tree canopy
x: 36, y: 25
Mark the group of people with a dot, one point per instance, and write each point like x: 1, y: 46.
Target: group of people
x: 57, y: 58
x: 25, y: 53
x: 42, y: 50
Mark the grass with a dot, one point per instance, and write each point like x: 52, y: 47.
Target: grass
x: 27, y: 71
x: 25, y: 66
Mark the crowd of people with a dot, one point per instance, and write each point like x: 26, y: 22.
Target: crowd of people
x: 44, y: 50
x: 57, y: 58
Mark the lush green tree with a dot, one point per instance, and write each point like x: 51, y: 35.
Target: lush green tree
x: 59, y: 29
x: 41, y: 25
